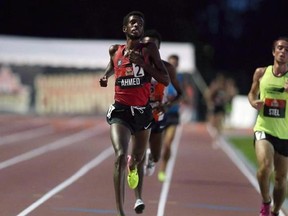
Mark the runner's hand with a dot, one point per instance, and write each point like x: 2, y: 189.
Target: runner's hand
x: 258, y: 104
x: 103, y: 81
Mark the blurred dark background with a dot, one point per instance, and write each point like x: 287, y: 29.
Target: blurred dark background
x: 231, y: 36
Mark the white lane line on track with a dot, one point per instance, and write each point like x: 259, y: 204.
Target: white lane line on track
x: 241, y: 166
x: 169, y: 172
x: 15, y: 124
x: 35, y: 132
x: 66, y: 141
x: 235, y: 158
x: 85, y: 169
x: 26, y: 135
x: 225, y: 146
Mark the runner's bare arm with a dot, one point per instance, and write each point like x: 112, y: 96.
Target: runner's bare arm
x: 172, y: 74
x: 109, y: 71
x: 254, y: 90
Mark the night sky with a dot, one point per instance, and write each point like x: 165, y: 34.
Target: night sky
x: 231, y: 36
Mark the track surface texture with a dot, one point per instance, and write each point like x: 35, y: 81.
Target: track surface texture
x: 63, y: 166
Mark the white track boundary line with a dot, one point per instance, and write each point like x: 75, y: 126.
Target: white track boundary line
x: 169, y: 172
x: 234, y: 157
x: 24, y: 135
x: 85, y: 169
x: 225, y: 146
x: 66, y: 141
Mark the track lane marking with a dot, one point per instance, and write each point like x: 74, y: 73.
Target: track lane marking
x: 26, y: 135
x: 81, y: 172
x: 169, y: 172
x: 235, y: 158
x: 66, y: 141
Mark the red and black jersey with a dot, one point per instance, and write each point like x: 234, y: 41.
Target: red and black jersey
x: 132, y: 84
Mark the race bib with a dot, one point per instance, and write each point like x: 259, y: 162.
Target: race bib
x: 274, y: 108
x: 137, y: 70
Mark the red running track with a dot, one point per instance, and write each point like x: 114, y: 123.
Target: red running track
x: 59, y: 166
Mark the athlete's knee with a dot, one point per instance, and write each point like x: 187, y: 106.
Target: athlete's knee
x: 265, y: 168
x: 280, y: 179
x: 120, y: 160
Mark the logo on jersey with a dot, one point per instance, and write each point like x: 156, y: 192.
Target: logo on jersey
x: 275, y: 89
x: 129, y: 72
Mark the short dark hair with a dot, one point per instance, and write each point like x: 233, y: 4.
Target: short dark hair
x: 154, y: 34
x: 175, y: 56
x: 275, y: 42
x: 132, y: 13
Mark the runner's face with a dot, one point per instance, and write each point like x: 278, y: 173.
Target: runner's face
x: 135, y: 27
x: 281, y: 51
x: 173, y: 61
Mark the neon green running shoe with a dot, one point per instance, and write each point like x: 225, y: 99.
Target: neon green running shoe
x: 132, y: 177
x: 161, y: 176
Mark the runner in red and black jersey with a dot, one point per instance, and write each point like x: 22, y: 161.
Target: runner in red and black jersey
x: 133, y: 64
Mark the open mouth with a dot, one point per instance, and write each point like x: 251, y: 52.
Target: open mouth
x: 135, y: 31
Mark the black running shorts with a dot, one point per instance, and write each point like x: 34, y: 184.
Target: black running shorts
x: 172, y: 118
x: 134, y: 117
x: 158, y: 126
x: 279, y: 145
